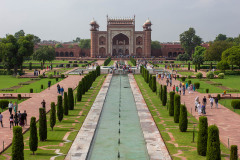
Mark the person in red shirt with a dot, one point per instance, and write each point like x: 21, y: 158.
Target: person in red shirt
x: 173, y: 88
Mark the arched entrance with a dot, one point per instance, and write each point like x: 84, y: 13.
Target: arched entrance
x: 139, y: 52
x: 102, y: 51
x: 120, y: 45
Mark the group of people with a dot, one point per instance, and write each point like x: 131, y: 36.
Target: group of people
x: 36, y: 72
x: 201, y: 109
x: 15, y: 118
x: 60, y: 89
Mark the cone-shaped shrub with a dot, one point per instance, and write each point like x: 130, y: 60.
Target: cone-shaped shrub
x: 234, y: 152
x: 65, y: 103
x: 171, y: 104
x: 33, y: 139
x: 79, y: 92
x: 160, y: 92
x: 154, y: 88
x: 42, y: 124
x: 164, y: 94
x: 188, y: 65
x: 202, y: 136
x: 150, y: 81
x: 17, y: 144
x: 60, y: 109
x: 52, y: 115
x: 177, y: 102
x: 183, y: 120
x: 213, y: 143
x: 70, y: 99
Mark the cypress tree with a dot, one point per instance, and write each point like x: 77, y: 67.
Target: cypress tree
x: 213, y: 143
x: 65, y: 103
x: 177, y: 102
x: 150, y: 81
x: 70, y: 99
x: 234, y: 152
x: 42, y: 124
x: 183, y: 120
x: 154, y: 88
x: 164, y: 98
x: 30, y: 66
x: 52, y: 115
x: 60, y: 109
x: 83, y: 85
x: 202, y: 136
x: 171, y: 105
x: 17, y: 144
x: 33, y: 139
x: 147, y: 76
x: 79, y: 92
x: 188, y: 65
x: 160, y: 92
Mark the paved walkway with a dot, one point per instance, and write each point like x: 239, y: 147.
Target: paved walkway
x: 32, y: 106
x: 226, y: 120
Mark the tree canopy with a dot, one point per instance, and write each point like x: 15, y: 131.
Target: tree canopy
x: 14, y: 49
x: 189, y: 40
x: 198, y: 56
x: 155, y: 45
x: 183, y: 57
x: 232, y: 55
x: 77, y: 40
x: 221, y: 37
x: 58, y: 45
x: 85, y: 43
x: 214, y: 51
x: 44, y: 53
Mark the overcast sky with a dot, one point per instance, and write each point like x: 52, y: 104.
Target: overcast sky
x: 64, y: 20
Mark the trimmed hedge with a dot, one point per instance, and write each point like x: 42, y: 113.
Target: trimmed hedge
x: 207, y: 90
x: 33, y: 139
x: 70, y: 99
x: 219, y: 96
x: 171, y: 105
x: 183, y: 120
x: 42, y: 124
x: 235, y: 104
x: 221, y: 75
x: 4, y: 103
x: 197, y: 85
x: 59, y: 108
x: 17, y: 144
x: 210, y: 75
x: 234, y: 152
x: 65, y: 103
x: 199, y: 75
x: 177, y: 102
x: 154, y: 86
x: 164, y: 94
x: 31, y: 90
x: 160, y: 92
x: 52, y: 115
x: 202, y: 136
x: 213, y: 144
x: 183, y: 78
x: 19, y: 97
x: 107, y: 61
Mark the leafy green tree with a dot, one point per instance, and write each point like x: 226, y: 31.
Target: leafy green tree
x: 70, y: 99
x: 59, y: 45
x: 202, y: 136
x: 77, y: 40
x: 52, y: 115
x: 85, y: 43
x: 223, y: 65
x: 13, y: 50
x: 189, y: 40
x: 60, y: 109
x: 160, y: 92
x: 33, y: 139
x: 213, y: 144
x: 164, y: 98
x: 150, y: 81
x: 221, y: 37
x: 65, y: 103
x: 79, y: 91
x: 155, y: 45
x: 234, y: 152
x: 215, y: 50
x: 154, y: 87
x: 36, y: 39
x: 171, y: 105
x: 183, y: 57
x: 232, y: 55
x: 198, y: 56
x: 177, y: 103
x: 183, y: 120
x: 44, y: 53
x: 19, y: 34
x: 42, y: 124
x: 17, y: 144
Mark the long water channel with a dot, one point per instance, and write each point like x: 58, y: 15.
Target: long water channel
x: 119, y: 134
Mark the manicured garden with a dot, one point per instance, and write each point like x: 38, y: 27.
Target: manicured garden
x: 227, y: 103
x: 179, y: 144
x: 60, y: 139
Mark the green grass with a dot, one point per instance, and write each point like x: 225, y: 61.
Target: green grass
x: 36, y: 86
x: 166, y: 124
x: 13, y: 101
x: 10, y: 81
x: 111, y: 63
x: 61, y: 128
x: 186, y: 73
x: 230, y: 81
x: 227, y: 103
x: 130, y: 63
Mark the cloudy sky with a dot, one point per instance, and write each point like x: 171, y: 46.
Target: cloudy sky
x: 64, y: 20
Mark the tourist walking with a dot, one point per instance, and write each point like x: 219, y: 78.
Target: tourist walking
x: 1, y: 117
x: 15, y: 108
x: 43, y: 104
x: 199, y: 109
x: 58, y: 88
x: 203, y: 109
x: 25, y: 117
x: 177, y: 89
x: 170, y: 81
x: 187, y: 85
x: 216, y: 102
x: 62, y: 90
x: 167, y: 81
x: 16, y: 119
x: 194, y: 88
x: 49, y: 84
x: 211, y: 101
x: 173, y: 88
x: 196, y: 103
x: 184, y: 90
x: 21, y: 120
x: 11, y: 120
x: 204, y: 101
x: 180, y: 90
x: 10, y: 107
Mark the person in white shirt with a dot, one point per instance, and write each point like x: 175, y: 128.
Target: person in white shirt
x: 199, y: 109
x: 211, y: 101
x: 1, y: 117
x: 10, y: 107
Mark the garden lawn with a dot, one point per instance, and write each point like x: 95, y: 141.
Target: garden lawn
x: 186, y: 73
x: 167, y: 127
x: 130, y: 63
x: 36, y: 86
x: 227, y: 103
x: 7, y: 81
x: 111, y: 63
x: 70, y: 124
x: 230, y: 81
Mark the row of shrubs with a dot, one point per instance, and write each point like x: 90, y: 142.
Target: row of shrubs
x: 107, y: 61
x: 150, y: 79
x: 228, y: 72
x: 67, y: 65
x: 133, y: 61
x: 77, y: 62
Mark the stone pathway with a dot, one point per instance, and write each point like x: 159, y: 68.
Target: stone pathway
x: 32, y: 106
x: 226, y: 120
